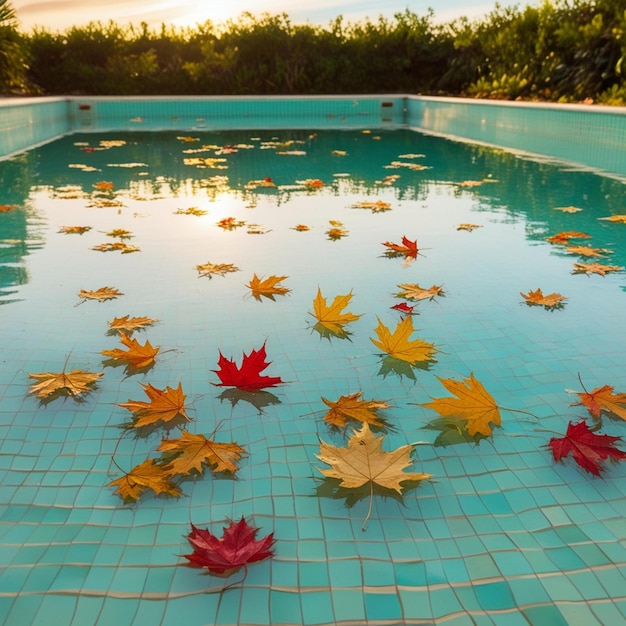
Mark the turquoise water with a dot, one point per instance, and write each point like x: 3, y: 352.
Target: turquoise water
x: 500, y: 535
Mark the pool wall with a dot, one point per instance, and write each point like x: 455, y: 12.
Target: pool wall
x: 588, y: 136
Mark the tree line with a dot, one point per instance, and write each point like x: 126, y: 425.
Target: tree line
x: 561, y: 50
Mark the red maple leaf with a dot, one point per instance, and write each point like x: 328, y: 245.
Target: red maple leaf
x: 403, y: 307
x: 408, y: 248
x: 587, y: 448
x: 248, y: 376
x: 234, y: 550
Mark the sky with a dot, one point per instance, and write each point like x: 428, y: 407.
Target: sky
x: 58, y: 15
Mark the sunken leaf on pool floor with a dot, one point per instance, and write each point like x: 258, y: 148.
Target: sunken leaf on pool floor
x: 364, y: 462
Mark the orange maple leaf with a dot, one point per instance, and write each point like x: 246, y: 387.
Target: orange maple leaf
x: 614, y: 218
x: 603, y: 399
x: 126, y: 324
x: 166, y: 405
x: 74, y: 383
x: 587, y: 251
x: 137, y: 356
x: 564, y: 236
x: 473, y: 404
x: 74, y: 230
x: 146, y: 475
x: 549, y: 301
x: 101, y: 294
x: 352, y: 406
x: 407, y: 248
x: 595, y: 268
x: 268, y: 287
x: 189, y: 452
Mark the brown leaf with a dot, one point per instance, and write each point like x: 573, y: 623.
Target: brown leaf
x: 415, y: 292
x: 595, y: 268
x: 216, y: 269
x: 74, y: 230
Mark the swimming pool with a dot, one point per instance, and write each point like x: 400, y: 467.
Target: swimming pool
x: 500, y: 535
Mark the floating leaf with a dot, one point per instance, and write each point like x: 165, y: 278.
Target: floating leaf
x: 563, y: 237
x: 117, y: 246
x: 74, y: 230
x: 143, y: 477
x: 103, y: 185
x: 127, y: 325
x: 138, y: 357
x: 403, y: 307
x: 595, y: 268
x: 331, y: 317
x: 230, y: 223
x: 189, y: 453
x: 218, y: 269
x: 549, y: 301
x: 587, y: 448
x: 468, y: 227
x: 377, y: 206
x: 567, y: 209
x: 268, y: 287
x: 237, y: 547
x: 407, y: 248
x: 353, y: 407
x: 190, y: 211
x: 336, y: 231
x: 74, y: 383
x: 603, y: 399
x: 415, y: 292
x: 120, y: 233
x: 400, y: 346
x: 248, y: 376
x: 587, y: 251
x: 101, y: 294
x: 301, y: 227
x: 165, y: 408
x: 614, y: 218
x: 472, y: 404
x: 363, y: 462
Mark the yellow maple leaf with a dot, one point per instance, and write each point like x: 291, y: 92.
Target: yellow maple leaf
x: 352, y: 406
x: 614, y: 218
x: 166, y: 405
x: 472, y: 404
x: 146, y: 475
x: 117, y: 246
x: 127, y: 324
x: 567, y: 209
x: 137, y: 356
x: 190, y: 211
x: 268, y: 287
x: 331, y: 317
x: 219, y: 269
x: 415, y: 292
x: 595, y: 268
x: 364, y: 462
x: 189, y: 452
x: 399, y: 345
x: 72, y: 383
x: 468, y: 227
x: 549, y: 301
x: 101, y: 294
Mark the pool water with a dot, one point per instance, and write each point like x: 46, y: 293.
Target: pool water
x: 501, y: 534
